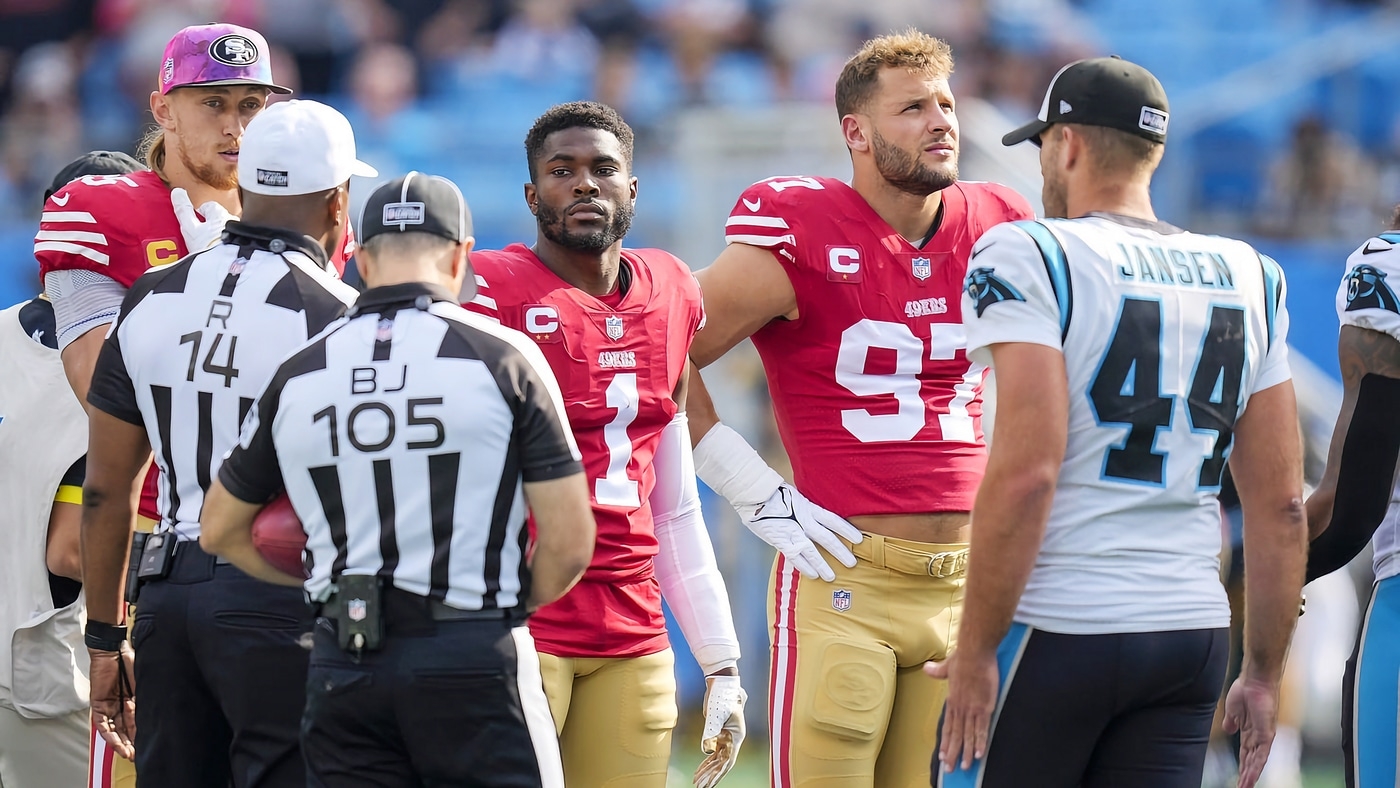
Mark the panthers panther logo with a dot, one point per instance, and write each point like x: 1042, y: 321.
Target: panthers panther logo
x: 986, y: 288
x: 1366, y: 289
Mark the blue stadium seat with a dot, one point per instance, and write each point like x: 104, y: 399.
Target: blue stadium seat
x: 1230, y: 165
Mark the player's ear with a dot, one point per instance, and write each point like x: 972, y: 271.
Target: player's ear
x: 532, y: 197
x: 632, y: 188
x: 855, y: 133
x: 1071, y: 145
x: 160, y: 110
x: 460, y: 265
x: 338, y: 203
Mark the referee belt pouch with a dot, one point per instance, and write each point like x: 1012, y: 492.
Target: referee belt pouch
x: 357, y: 607
x: 157, y: 557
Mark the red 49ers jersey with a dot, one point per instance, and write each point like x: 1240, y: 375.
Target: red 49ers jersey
x: 876, y: 401
x: 618, y: 369
x: 118, y: 226
x: 115, y: 225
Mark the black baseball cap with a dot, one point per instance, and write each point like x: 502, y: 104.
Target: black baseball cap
x: 1101, y: 91
x: 417, y: 203
x: 98, y: 162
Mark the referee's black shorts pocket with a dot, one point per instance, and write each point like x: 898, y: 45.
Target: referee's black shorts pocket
x: 333, y: 681
x: 483, y: 680
x: 142, y: 629
x: 257, y: 619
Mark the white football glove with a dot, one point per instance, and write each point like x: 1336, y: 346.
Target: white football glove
x: 794, y: 526
x: 724, y: 729
x: 772, y: 508
x: 200, y: 234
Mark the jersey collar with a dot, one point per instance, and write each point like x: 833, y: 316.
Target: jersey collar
x: 266, y: 238
x: 1141, y: 224
x: 419, y: 295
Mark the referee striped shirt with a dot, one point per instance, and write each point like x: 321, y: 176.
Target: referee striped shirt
x: 198, y: 339
x: 403, y: 437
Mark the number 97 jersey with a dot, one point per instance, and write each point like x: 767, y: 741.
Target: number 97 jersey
x: 1166, y: 335
x: 875, y: 399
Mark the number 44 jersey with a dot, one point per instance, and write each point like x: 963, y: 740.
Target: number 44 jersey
x: 876, y: 401
x: 1166, y: 335
x: 617, y: 365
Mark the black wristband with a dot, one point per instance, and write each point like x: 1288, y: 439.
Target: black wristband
x: 104, y: 637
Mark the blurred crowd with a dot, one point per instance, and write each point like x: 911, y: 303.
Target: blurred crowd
x: 415, y: 76
x: 443, y: 85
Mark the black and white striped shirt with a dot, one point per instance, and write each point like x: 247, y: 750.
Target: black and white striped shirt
x: 403, y: 437
x: 197, y: 340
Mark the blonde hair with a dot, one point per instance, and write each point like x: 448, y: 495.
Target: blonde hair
x: 151, y: 149
x: 912, y: 50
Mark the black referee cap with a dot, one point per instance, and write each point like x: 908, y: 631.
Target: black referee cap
x: 98, y: 162
x: 417, y: 203
x: 1101, y: 91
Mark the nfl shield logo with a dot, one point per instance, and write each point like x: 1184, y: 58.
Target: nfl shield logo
x: 923, y: 268
x: 614, y: 325
x: 841, y: 599
x: 384, y: 332
x: 358, y: 609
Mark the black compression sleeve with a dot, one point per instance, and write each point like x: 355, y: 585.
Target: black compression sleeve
x: 1365, y: 477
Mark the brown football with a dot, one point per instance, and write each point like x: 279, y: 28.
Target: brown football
x: 278, y: 536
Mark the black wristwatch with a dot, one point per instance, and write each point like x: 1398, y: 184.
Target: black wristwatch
x: 104, y: 637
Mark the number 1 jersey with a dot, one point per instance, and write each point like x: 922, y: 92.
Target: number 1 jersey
x: 876, y: 401
x: 617, y: 366
x: 1166, y: 334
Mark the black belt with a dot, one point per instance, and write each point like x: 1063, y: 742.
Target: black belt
x: 400, y: 605
x: 186, y: 545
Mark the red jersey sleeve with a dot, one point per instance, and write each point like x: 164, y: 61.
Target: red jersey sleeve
x: 768, y: 215
x: 115, y: 225
x: 491, y: 281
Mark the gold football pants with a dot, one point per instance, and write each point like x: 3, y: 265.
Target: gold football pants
x: 614, y: 718
x: 849, y: 703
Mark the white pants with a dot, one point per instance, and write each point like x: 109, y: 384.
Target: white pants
x: 49, y: 753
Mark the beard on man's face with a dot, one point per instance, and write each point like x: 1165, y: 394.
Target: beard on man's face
x: 211, y: 175
x: 551, y: 223
x: 905, y: 172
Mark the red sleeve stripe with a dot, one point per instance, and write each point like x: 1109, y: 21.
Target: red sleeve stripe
x: 101, y: 258
x: 756, y: 221
x: 81, y: 217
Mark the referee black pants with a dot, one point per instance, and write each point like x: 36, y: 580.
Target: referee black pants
x: 220, y: 678
x: 1100, y: 711
x: 440, y: 703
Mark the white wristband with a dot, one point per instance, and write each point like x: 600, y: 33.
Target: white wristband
x: 730, y: 466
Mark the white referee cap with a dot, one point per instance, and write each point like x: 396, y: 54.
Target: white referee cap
x: 298, y: 147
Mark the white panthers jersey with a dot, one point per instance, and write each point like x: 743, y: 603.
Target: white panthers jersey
x: 1165, y: 334
x: 1365, y: 300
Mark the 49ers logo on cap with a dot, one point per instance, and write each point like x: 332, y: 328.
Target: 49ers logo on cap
x: 542, y: 322
x: 234, y: 50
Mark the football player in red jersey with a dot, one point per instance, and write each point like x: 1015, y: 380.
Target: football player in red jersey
x: 101, y: 232
x: 852, y: 295
x: 616, y: 325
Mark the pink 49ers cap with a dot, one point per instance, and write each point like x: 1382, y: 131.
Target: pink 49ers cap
x: 218, y: 54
